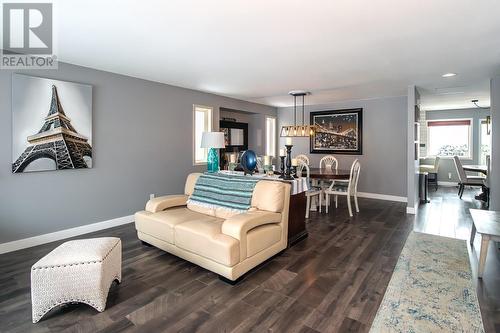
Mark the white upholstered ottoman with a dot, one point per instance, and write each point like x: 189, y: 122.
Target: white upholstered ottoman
x: 76, y: 271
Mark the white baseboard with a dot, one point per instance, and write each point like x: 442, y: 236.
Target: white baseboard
x: 411, y: 210
x: 450, y: 184
x: 62, y: 234
x: 382, y: 197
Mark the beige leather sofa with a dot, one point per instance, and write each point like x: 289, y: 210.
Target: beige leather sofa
x: 218, y: 240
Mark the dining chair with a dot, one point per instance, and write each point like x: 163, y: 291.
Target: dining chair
x: 488, y: 167
x: 349, y: 188
x: 465, y: 180
x: 260, y: 164
x: 432, y: 169
x: 328, y: 162
x: 302, y: 158
x: 312, y: 191
x: 487, y: 181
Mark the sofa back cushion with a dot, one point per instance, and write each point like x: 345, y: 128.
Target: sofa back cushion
x: 269, y: 195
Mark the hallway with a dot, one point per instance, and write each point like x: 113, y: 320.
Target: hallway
x: 447, y: 215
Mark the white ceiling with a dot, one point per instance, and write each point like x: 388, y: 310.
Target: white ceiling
x: 455, y: 96
x: 258, y: 50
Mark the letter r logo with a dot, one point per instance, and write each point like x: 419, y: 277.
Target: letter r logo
x: 27, y: 28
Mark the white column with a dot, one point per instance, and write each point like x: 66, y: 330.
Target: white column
x: 495, y: 145
x: 412, y: 164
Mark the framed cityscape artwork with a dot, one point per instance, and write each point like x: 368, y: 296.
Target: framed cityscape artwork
x: 337, y: 132
x: 51, y: 124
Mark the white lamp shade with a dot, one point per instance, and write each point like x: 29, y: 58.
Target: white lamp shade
x: 212, y: 140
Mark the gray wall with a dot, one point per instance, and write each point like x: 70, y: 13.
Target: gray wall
x: 495, y: 141
x: 257, y: 133
x: 142, y: 141
x: 383, y: 163
x: 446, y: 165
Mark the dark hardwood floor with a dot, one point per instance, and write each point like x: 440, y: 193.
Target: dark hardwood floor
x: 333, y: 281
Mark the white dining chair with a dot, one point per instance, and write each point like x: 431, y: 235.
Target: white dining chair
x: 347, y: 188
x: 431, y: 169
x: 329, y: 162
x: 464, y: 179
x: 302, y: 158
x: 312, y: 191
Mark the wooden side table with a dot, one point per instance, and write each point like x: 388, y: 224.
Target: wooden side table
x: 486, y: 223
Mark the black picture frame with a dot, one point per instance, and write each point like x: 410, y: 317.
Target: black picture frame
x: 323, y: 142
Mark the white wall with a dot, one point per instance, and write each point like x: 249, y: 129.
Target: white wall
x: 495, y: 145
x: 412, y: 176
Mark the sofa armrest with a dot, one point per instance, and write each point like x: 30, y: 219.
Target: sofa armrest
x: 239, y: 225
x: 161, y: 203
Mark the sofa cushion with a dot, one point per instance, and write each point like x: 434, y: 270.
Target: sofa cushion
x: 262, y: 237
x: 225, y: 214
x: 268, y: 195
x: 161, y: 224
x: 195, y: 207
x: 204, y: 238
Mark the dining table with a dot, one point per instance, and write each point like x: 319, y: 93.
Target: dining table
x: 476, y: 168
x: 329, y: 173
x: 484, y: 195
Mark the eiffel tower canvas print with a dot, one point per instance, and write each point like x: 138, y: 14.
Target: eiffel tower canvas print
x: 52, y: 124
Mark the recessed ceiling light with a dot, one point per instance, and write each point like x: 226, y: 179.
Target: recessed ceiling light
x: 449, y: 75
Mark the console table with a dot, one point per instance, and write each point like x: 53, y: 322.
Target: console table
x: 297, y: 210
x: 486, y: 223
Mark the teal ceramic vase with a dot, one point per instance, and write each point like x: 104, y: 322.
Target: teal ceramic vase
x: 213, y: 160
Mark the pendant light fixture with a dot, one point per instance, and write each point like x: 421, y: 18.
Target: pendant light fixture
x: 488, y: 118
x: 297, y: 130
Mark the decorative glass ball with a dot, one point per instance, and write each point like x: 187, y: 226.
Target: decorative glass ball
x: 249, y: 161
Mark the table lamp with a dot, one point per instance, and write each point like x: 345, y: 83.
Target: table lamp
x: 213, y: 141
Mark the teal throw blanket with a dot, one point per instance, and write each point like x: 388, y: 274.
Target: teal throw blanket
x: 215, y: 190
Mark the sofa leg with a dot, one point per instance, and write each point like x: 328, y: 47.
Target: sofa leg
x: 256, y: 268
x: 146, y: 244
x: 231, y: 282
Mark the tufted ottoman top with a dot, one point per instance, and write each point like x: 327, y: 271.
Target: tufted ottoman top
x: 78, y: 251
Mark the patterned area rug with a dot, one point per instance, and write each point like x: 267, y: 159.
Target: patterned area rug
x: 431, y: 289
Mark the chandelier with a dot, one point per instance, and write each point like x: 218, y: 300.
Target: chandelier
x: 297, y: 130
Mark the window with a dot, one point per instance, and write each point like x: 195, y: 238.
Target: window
x: 270, y: 136
x: 202, y: 119
x: 447, y: 138
x: 484, y: 142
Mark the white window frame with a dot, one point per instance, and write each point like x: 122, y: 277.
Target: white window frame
x: 471, y: 138
x: 208, y: 128
x: 274, y: 138
x: 480, y: 141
